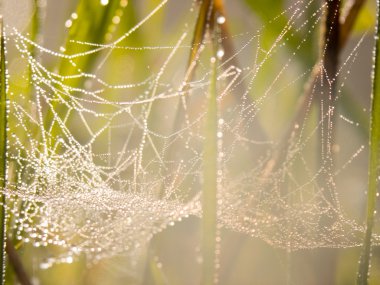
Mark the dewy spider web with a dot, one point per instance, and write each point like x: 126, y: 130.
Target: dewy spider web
x: 124, y: 166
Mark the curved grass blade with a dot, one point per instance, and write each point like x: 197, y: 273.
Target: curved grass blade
x: 374, y: 161
x: 3, y: 151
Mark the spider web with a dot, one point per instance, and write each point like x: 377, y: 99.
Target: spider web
x: 118, y: 162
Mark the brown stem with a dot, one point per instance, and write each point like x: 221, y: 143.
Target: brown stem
x: 327, y: 94
x: 348, y: 18
x: 205, y: 25
x: 16, y: 264
x: 326, y: 259
x: 331, y: 52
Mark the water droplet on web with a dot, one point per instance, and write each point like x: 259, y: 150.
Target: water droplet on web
x: 45, y: 265
x: 68, y: 23
x: 69, y: 259
x: 220, y: 53
x: 221, y: 20
x: 116, y: 20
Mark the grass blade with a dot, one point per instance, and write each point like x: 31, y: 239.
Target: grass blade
x: 90, y: 16
x: 3, y: 150
x: 267, y: 13
x: 349, y: 17
x: 200, y: 30
x: 15, y: 262
x: 374, y: 163
x: 209, y: 195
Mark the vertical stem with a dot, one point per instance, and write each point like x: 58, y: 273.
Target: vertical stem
x: 3, y: 151
x: 374, y: 163
x: 329, y: 56
x: 209, y: 195
x: 325, y: 99
x: 15, y: 262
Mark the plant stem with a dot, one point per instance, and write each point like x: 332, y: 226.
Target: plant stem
x: 326, y: 90
x: 15, y: 262
x: 325, y: 100
x: 349, y: 15
x: 3, y: 151
x: 209, y: 195
x: 91, y: 16
x: 374, y: 163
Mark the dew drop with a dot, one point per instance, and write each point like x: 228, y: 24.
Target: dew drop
x: 69, y: 259
x: 116, y: 20
x: 45, y: 265
x: 220, y: 53
x: 68, y: 23
x: 221, y: 20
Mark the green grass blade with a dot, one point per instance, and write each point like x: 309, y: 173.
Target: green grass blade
x: 275, y: 11
x: 374, y: 163
x: 209, y: 198
x: 3, y: 150
x: 89, y: 24
x: 158, y: 275
x: 35, y: 26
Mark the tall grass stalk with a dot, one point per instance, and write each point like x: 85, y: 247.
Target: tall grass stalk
x: 374, y: 163
x: 209, y: 195
x: 3, y: 151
